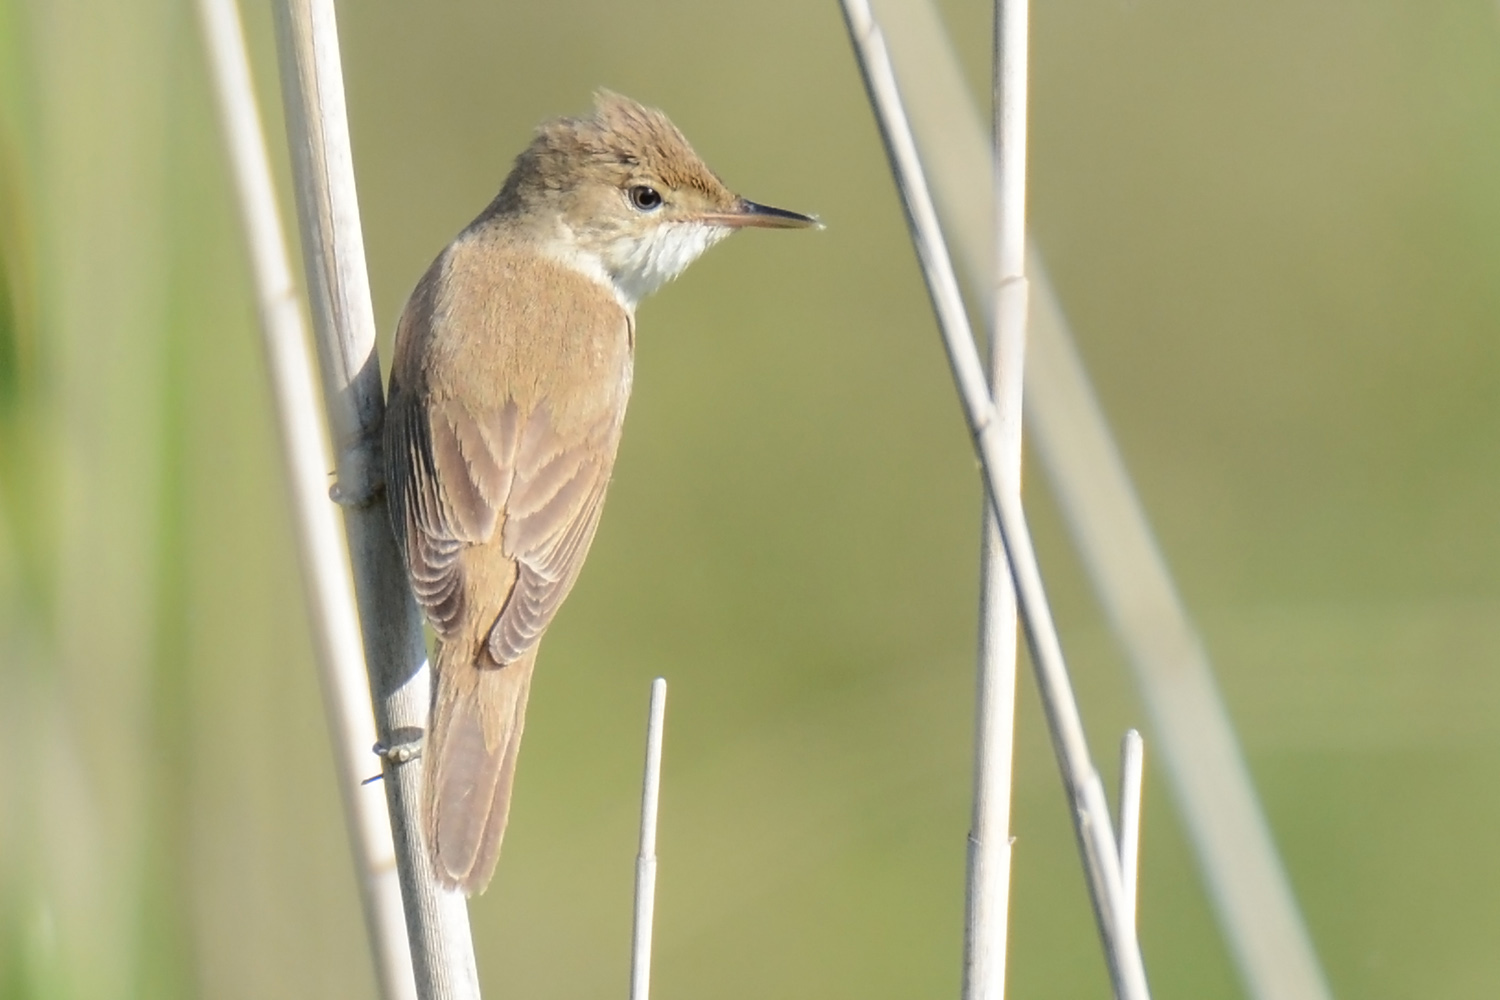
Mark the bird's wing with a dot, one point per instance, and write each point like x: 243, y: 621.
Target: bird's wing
x: 496, y: 500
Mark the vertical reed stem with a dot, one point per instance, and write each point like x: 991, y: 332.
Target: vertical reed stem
x: 395, y: 653
x: 1132, y: 781
x: 645, y: 862
x: 987, y: 919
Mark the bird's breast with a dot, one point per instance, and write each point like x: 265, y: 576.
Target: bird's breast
x: 509, y: 324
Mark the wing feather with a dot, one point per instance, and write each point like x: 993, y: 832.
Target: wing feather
x: 546, y: 575
x: 499, y: 484
x: 420, y: 518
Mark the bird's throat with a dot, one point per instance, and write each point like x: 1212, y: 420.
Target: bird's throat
x: 632, y: 266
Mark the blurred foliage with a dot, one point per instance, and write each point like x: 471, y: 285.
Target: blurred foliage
x: 1275, y: 230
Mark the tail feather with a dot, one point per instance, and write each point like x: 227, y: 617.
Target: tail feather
x: 477, y: 719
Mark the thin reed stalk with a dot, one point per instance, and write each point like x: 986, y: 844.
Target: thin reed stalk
x: 321, y: 550
x: 987, y: 896
x: 395, y: 653
x: 645, y: 862
x: 1092, y: 824
x: 1132, y: 784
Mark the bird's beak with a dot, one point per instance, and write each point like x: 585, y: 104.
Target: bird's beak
x: 747, y: 213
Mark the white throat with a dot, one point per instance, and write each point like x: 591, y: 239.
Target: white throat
x: 632, y: 267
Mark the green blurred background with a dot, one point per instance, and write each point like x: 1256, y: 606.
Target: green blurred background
x: 1276, y: 230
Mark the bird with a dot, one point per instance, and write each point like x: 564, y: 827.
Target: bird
x: 511, y: 372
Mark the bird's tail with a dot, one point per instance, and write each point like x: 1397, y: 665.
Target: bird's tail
x: 477, y: 717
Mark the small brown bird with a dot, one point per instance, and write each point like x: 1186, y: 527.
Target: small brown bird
x: 512, y: 369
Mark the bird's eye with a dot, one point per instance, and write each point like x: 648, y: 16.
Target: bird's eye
x: 647, y: 199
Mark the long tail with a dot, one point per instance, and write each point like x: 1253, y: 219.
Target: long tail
x: 477, y: 718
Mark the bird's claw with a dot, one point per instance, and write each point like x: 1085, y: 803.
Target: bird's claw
x: 359, y: 464
x: 396, y: 754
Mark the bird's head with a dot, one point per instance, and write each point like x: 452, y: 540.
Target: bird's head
x: 622, y: 194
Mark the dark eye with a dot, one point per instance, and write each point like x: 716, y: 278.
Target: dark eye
x: 647, y: 199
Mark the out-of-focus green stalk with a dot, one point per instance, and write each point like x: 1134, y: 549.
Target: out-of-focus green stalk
x: 97, y: 94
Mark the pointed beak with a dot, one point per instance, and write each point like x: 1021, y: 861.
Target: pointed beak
x: 747, y: 214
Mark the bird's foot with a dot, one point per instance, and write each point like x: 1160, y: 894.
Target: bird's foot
x: 403, y: 750
x: 366, y: 494
x: 360, y: 481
